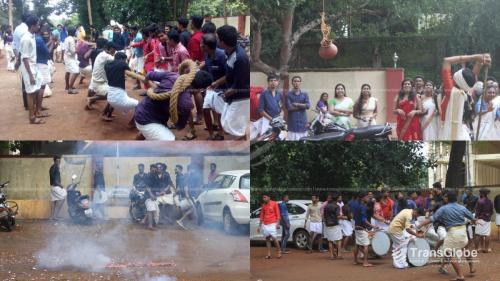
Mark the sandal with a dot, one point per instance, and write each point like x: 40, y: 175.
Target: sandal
x: 37, y: 121
x: 267, y: 257
x: 457, y: 279
x: 279, y: 255
x: 107, y: 119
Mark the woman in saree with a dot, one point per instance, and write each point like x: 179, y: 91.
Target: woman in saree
x: 341, y: 107
x: 408, y: 107
x: 365, y: 109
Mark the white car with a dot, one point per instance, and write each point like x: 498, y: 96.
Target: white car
x: 226, y: 200
x: 297, y: 214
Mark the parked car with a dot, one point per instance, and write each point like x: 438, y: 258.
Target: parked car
x: 297, y: 214
x: 226, y: 200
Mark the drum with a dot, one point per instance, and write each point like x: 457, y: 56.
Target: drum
x: 418, y: 252
x: 381, y: 243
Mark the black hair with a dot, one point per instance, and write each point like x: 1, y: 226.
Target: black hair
x: 209, y: 27
x: 419, y: 76
x: 101, y: 43
x: 437, y: 185
x: 451, y: 195
x: 210, y: 40
x: 179, y: 166
x: 228, y: 34
x: 152, y: 166
x: 358, y: 107
x: 469, y: 77
x: 284, y: 195
x: 174, y: 35
x: 202, y: 80
x: 134, y: 27
x: 213, y: 164
x: 197, y: 21
x: 272, y: 76
x: 491, y: 78
x: 110, y: 45
x: 420, y: 211
x: 377, y: 195
x: 140, y: 165
x: 56, y: 157
x: 120, y: 56
x: 183, y: 22
x: 24, y: 17
x: 402, y: 93
x: 297, y: 77
x: 484, y: 192
x: 71, y: 31
x: 31, y: 20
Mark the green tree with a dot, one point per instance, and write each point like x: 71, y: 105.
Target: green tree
x: 349, y: 166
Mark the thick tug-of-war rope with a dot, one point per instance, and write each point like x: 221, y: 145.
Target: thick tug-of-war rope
x: 187, y: 69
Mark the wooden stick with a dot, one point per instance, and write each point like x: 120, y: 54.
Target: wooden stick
x: 482, y: 103
x: 140, y: 78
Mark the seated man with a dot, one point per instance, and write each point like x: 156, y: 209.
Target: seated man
x: 151, y: 116
x: 117, y: 96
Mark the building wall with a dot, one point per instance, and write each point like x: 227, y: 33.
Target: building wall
x: 316, y: 83
x: 30, y: 187
x: 234, y: 22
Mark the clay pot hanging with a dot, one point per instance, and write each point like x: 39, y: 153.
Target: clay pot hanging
x: 328, y: 50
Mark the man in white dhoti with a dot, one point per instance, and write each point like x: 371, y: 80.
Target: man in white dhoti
x: 57, y: 193
x: 117, y: 96
x: 452, y: 216
x: 484, y: 211
x: 236, y: 113
x: 456, y: 107
x: 269, y: 224
x: 70, y: 61
x: 315, y: 226
x: 400, y: 230
x: 98, y: 88
x: 32, y: 77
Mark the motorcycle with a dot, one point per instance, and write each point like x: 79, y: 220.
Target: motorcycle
x: 8, y: 210
x: 277, y: 125
x: 137, y: 209
x: 78, y: 205
x: 322, y: 128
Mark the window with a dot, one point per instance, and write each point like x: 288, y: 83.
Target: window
x: 227, y: 181
x: 256, y: 214
x: 245, y: 181
x: 294, y: 209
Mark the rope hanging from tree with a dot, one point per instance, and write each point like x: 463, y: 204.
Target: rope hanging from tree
x: 187, y: 69
x: 327, y: 50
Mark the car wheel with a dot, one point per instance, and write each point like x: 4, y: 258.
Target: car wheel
x: 228, y: 221
x: 301, y: 239
x: 199, y: 214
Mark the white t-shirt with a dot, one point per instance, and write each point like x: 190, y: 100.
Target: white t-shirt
x: 18, y: 34
x: 27, y: 48
x: 98, y: 72
x: 69, y: 48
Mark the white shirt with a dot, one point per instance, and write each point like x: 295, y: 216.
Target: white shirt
x: 18, y: 34
x: 98, y: 72
x: 27, y: 48
x: 69, y: 48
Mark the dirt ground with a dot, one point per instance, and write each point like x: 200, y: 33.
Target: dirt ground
x: 198, y: 254
x: 69, y: 120
x: 300, y: 266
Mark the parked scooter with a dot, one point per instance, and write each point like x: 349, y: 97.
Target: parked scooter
x: 323, y: 128
x: 78, y: 205
x: 137, y: 209
x: 8, y: 210
x: 277, y: 126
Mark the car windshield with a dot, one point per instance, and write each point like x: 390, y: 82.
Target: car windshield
x: 223, y: 181
x: 245, y: 181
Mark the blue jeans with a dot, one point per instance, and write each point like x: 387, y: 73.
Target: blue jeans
x: 285, y: 234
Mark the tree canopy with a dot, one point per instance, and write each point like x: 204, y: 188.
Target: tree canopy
x: 281, y: 29
x: 353, y: 166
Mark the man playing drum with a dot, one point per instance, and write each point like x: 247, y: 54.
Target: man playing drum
x: 400, y: 238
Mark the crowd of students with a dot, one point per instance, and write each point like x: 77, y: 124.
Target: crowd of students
x: 456, y: 226
x: 420, y: 106
x: 206, y: 69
